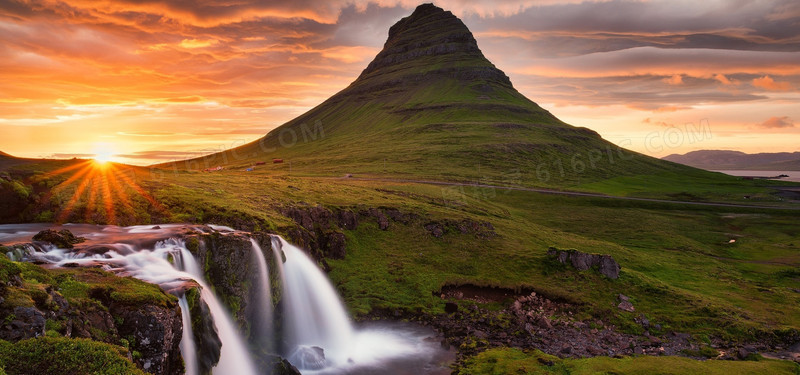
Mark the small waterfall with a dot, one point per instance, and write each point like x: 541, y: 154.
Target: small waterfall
x: 315, y: 318
x: 263, y: 324
x: 234, y: 357
x: 188, y: 347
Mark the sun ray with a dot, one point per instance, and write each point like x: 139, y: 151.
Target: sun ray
x: 92, y: 198
x: 75, y: 177
x: 144, y: 194
x: 67, y: 210
x: 119, y: 190
x: 63, y: 170
x: 108, y: 201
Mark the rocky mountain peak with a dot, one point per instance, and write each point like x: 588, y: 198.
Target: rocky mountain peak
x: 432, y: 42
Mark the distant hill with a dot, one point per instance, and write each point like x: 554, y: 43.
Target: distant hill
x: 733, y: 160
x: 430, y: 105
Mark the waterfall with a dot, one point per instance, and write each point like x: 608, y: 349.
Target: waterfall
x: 188, y: 347
x: 316, y: 332
x: 314, y: 316
x: 234, y: 356
x: 263, y: 324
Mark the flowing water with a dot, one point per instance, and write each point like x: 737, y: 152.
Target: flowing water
x: 317, y: 336
x: 263, y: 324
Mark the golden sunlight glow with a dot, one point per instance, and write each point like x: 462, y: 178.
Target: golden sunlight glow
x: 103, y: 153
x: 98, y: 192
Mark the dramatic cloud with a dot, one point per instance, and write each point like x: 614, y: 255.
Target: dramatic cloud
x: 189, y: 76
x: 766, y: 82
x: 777, y: 123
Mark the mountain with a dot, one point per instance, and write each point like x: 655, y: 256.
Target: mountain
x: 430, y: 105
x: 732, y: 160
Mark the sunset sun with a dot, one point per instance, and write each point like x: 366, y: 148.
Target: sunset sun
x: 103, y: 153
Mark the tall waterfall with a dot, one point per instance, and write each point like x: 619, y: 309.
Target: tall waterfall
x: 314, y: 315
x: 263, y: 324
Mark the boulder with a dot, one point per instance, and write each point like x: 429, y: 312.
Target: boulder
x: 626, y: 306
x: 63, y: 239
x: 157, y: 333
x: 25, y: 323
x: 581, y: 261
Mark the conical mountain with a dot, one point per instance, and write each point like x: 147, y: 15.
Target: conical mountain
x: 430, y: 105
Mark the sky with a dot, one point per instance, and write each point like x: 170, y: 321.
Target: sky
x: 142, y: 81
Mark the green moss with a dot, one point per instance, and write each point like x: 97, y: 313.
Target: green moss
x: 60, y: 355
x: 8, y: 269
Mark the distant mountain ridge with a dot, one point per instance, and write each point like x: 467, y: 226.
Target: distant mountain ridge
x: 733, y: 160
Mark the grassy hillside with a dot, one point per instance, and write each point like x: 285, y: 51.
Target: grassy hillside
x: 511, y: 361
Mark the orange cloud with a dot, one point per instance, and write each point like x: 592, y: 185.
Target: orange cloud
x: 676, y: 79
x: 777, y: 123
x: 725, y: 80
x: 767, y: 83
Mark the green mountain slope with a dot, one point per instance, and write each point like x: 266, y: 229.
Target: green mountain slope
x: 430, y: 105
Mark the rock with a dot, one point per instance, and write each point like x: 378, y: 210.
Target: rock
x: 745, y: 351
x: 63, y: 239
x: 566, y: 349
x: 383, y: 221
x: 347, y: 219
x: 626, y: 306
x: 623, y: 297
x: 308, y: 357
x: 595, y: 351
x: 157, y: 333
x: 27, y: 322
x: 543, y: 322
x: 450, y: 307
x: 335, y: 245
x: 643, y: 321
x: 581, y: 261
x: 435, y: 229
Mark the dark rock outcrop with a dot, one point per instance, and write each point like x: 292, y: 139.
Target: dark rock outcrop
x: 156, y: 331
x: 63, y: 239
x: 581, y: 261
x: 26, y: 323
x: 481, y: 229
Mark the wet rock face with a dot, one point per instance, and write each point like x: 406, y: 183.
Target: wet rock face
x: 157, y: 334
x: 207, y: 341
x: 63, y: 239
x: 227, y: 263
x: 581, y: 261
